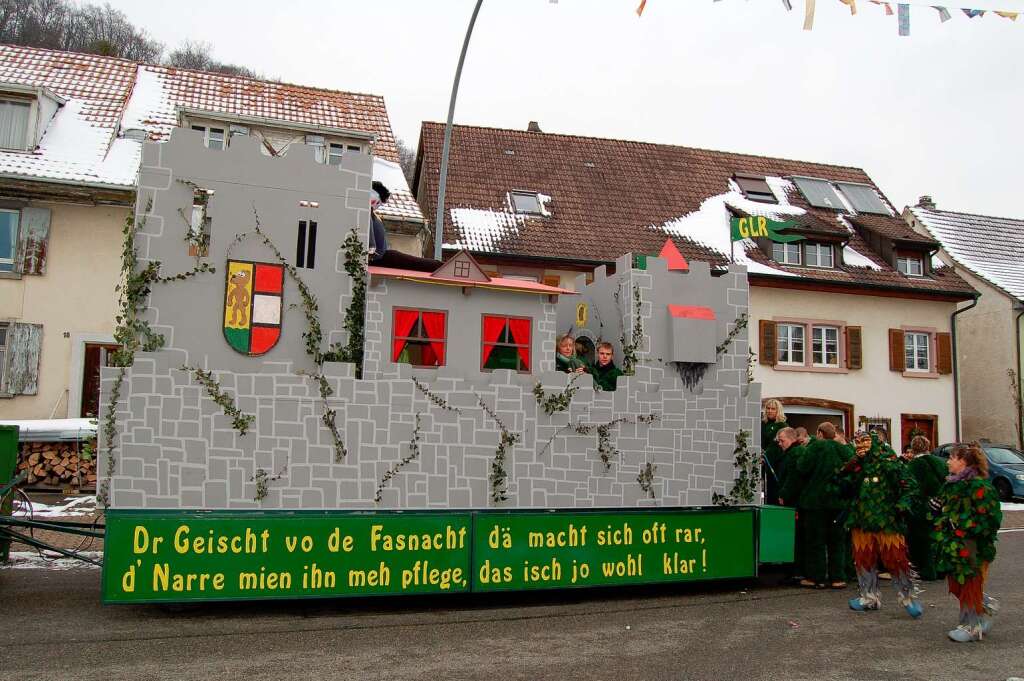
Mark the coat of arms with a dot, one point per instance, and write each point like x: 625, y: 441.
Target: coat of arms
x: 253, y: 298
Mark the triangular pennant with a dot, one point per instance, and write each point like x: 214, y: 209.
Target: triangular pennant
x: 944, y: 15
x: 788, y: 5
x: 971, y: 13
x: 904, y: 18
x: 808, y: 15
x: 1012, y: 16
x: 640, y: 9
x: 852, y: 5
x: 673, y: 257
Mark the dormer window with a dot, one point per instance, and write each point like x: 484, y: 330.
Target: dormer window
x: 910, y: 264
x: 213, y: 137
x: 818, y: 255
x: 786, y: 254
x: 755, y: 188
x: 14, y: 124
x: 461, y: 270
x: 527, y: 202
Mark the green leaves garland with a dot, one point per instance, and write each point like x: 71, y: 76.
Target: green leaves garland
x: 239, y: 421
x: 559, y: 401
x: 498, y: 476
x: 966, y: 527
x: 744, y: 487
x: 414, y: 453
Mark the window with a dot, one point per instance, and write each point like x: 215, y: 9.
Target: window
x: 818, y: 255
x: 915, y: 347
x: 418, y: 337
x: 355, y: 148
x: 825, y: 346
x: 199, y: 225
x: 3, y: 350
x: 305, y: 245
x: 213, y: 138
x: 787, y: 254
x: 334, y: 154
x: 8, y: 239
x: 819, y: 193
x: 461, y: 269
x: 863, y: 198
x: 526, y: 202
x: 755, y: 188
x: 912, y: 266
x: 506, y: 343
x: 14, y: 117
x: 791, y: 343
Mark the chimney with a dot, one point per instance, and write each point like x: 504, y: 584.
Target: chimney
x: 926, y: 202
x: 533, y: 127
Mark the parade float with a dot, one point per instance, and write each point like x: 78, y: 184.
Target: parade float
x: 287, y: 421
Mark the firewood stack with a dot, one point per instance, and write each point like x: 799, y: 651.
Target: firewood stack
x: 56, y: 465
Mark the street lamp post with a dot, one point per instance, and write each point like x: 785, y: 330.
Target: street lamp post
x: 439, y: 226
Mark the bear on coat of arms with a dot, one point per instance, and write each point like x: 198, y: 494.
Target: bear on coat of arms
x: 238, y: 297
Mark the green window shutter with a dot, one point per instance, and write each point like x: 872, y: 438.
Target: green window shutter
x: 33, y: 240
x: 24, y: 347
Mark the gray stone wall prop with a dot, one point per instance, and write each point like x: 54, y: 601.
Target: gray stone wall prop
x: 175, y: 449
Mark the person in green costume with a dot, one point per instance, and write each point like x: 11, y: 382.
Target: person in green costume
x: 790, y: 492
x: 606, y: 374
x: 966, y: 529
x: 566, y: 359
x: 930, y: 473
x: 882, y: 493
x: 773, y: 419
x: 819, y: 505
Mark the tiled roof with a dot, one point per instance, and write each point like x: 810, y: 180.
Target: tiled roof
x: 990, y: 247
x: 105, y: 95
x: 609, y: 197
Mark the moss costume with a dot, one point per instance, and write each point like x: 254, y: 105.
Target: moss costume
x: 882, y: 493
x: 930, y: 474
x: 819, y: 503
x: 568, y: 364
x: 773, y: 457
x: 605, y: 377
x: 965, y: 534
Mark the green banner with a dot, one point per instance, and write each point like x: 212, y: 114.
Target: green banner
x: 187, y: 556
x: 758, y: 226
x: 570, y: 549
x: 152, y: 556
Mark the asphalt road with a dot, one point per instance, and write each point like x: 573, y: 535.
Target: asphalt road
x: 55, y: 629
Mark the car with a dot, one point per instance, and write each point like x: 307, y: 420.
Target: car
x: 1005, y: 467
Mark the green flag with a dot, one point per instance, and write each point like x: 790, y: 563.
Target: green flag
x: 758, y: 226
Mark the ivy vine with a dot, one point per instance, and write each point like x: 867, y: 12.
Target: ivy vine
x: 744, y: 487
x: 646, y: 478
x: 262, y: 478
x: 355, y: 314
x: 498, y: 476
x: 239, y: 421
x: 435, y: 398
x: 631, y: 345
x: 559, y: 401
x: 414, y: 453
x: 605, y: 449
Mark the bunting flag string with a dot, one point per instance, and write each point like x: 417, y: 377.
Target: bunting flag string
x: 902, y: 11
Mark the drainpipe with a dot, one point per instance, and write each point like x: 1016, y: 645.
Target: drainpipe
x: 1020, y: 404
x: 956, y: 363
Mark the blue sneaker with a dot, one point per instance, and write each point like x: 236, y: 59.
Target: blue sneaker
x: 914, y: 609
x: 861, y: 605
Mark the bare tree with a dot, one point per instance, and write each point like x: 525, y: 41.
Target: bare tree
x: 199, y: 55
x: 407, y: 159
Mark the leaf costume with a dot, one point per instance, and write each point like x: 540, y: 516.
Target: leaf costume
x: 929, y: 472
x: 882, y: 494
x: 965, y: 533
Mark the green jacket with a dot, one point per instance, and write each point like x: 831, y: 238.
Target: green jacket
x: 818, y: 468
x: 568, y: 364
x: 966, y: 527
x: 930, y: 473
x: 882, y: 491
x: 773, y: 455
x: 605, y: 377
x: 791, y: 489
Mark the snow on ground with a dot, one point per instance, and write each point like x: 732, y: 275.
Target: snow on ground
x: 31, y: 560
x: 1007, y: 506
x: 68, y: 507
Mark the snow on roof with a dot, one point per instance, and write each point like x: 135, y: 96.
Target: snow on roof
x: 401, y: 204
x: 855, y: 259
x: 483, y: 229
x: 503, y: 283
x: 709, y: 226
x: 990, y: 247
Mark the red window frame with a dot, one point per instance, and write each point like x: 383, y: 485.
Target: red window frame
x: 492, y: 325
x: 434, y: 323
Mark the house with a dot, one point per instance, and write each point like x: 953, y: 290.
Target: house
x: 853, y: 321
x: 988, y: 253
x: 73, y: 125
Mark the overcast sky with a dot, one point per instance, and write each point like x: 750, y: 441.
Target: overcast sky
x: 940, y: 112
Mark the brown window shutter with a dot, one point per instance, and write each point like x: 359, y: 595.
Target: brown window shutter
x: 766, y: 355
x: 854, y: 349
x: 897, y: 359
x: 944, y: 353
x: 552, y: 280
